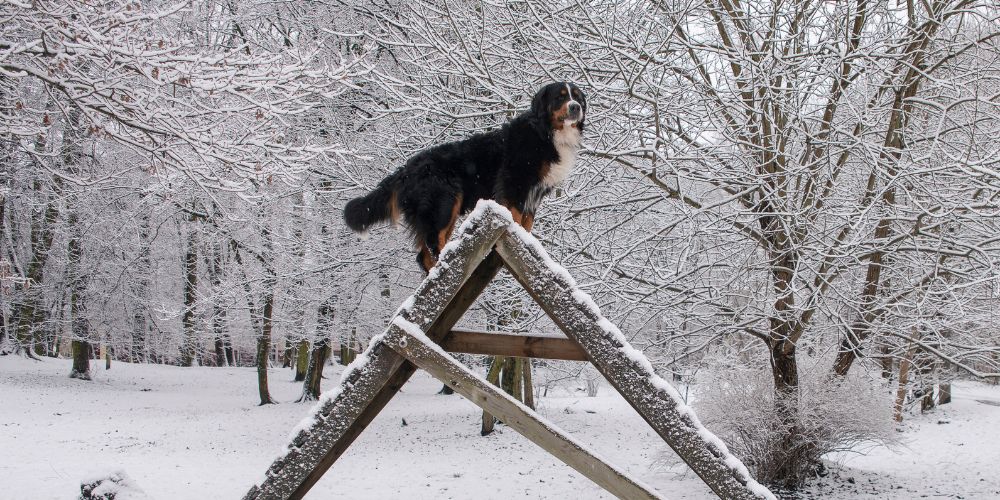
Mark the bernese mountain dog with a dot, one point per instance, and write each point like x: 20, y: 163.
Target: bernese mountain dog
x: 516, y: 165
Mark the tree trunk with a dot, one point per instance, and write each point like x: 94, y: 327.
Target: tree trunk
x: 190, y: 294
x: 320, y: 352
x: 139, y: 350
x: 302, y: 361
x: 944, y: 393
x: 78, y: 309
x: 311, y: 389
x: 904, y: 378
x: 223, y: 351
x: 784, y: 368
x: 889, y: 156
x: 288, y: 357
x: 81, y: 358
x: 29, y: 312
x: 264, y: 347
x: 493, y: 377
x: 529, y: 388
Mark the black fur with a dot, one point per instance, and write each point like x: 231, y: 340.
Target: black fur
x: 506, y: 165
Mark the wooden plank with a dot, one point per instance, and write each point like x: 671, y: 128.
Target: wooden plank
x: 463, y: 299
x: 436, y: 305
x: 625, y: 368
x: 511, y: 344
x: 420, y: 350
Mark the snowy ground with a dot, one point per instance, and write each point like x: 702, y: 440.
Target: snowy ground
x: 196, y: 432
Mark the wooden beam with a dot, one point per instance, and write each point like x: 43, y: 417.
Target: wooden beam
x: 438, y: 303
x: 421, y: 351
x: 625, y: 368
x: 463, y: 299
x: 512, y: 344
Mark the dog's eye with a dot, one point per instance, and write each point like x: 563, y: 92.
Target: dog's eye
x: 562, y: 92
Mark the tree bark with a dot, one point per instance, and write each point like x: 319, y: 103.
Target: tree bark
x: 29, y: 312
x: 190, y: 294
x: 288, y: 357
x: 78, y: 308
x: 893, y: 146
x: 944, y: 393
x: 493, y: 377
x: 529, y: 388
x: 904, y: 378
x: 264, y: 347
x: 320, y: 352
x: 139, y: 351
x: 302, y: 361
x: 223, y: 349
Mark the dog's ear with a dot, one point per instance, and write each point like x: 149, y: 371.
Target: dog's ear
x: 540, y: 113
x: 538, y: 103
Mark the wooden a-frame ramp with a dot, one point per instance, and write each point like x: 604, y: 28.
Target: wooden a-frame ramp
x: 423, y: 325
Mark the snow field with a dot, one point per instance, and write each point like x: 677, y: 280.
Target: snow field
x: 197, y: 433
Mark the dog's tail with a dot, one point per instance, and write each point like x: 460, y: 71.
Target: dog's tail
x: 377, y: 206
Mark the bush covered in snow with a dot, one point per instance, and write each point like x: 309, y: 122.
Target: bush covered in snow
x: 115, y: 485
x: 739, y: 405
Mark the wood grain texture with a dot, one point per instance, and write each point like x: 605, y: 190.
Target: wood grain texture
x: 510, y: 344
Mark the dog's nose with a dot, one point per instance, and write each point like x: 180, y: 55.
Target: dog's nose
x: 574, y: 109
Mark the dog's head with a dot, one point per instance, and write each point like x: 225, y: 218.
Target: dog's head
x: 560, y: 104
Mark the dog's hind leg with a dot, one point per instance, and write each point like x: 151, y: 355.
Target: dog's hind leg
x: 527, y: 220
x: 432, y: 242
x: 424, y: 257
x: 516, y: 214
x: 445, y: 232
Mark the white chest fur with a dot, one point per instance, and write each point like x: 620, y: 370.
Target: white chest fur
x: 567, y: 143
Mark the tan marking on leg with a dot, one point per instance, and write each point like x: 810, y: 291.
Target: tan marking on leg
x: 515, y: 213
x: 445, y: 232
x: 528, y: 221
x: 394, y: 209
x: 426, y: 259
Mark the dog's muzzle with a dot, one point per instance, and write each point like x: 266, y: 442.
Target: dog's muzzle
x: 574, y: 111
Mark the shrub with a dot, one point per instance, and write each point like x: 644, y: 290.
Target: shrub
x: 783, y: 449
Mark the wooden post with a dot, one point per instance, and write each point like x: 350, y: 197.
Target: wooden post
x: 529, y: 388
x: 655, y: 400
x: 493, y: 377
x: 421, y: 351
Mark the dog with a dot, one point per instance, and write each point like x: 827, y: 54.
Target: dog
x: 516, y: 166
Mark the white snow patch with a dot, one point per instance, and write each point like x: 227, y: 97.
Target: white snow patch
x: 482, y: 208
x: 116, y: 483
x: 195, y: 432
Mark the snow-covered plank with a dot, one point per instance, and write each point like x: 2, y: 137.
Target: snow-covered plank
x: 409, y: 340
x: 378, y: 373
x: 626, y: 368
x: 513, y: 344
